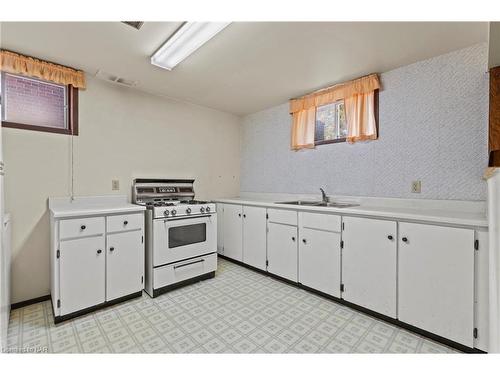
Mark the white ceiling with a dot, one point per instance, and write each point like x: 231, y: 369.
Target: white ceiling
x: 249, y: 66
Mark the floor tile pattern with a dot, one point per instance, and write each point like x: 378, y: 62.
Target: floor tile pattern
x: 238, y: 311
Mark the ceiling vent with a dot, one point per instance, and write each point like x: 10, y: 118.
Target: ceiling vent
x: 135, y: 24
x: 115, y: 79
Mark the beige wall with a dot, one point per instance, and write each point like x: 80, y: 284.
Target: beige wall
x: 494, y: 41
x: 123, y: 134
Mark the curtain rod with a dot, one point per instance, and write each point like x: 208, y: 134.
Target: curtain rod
x: 330, y: 87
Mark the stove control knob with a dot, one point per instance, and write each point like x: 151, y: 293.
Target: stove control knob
x: 188, y: 210
x: 166, y: 213
x: 202, y: 209
x: 207, y: 209
x: 173, y: 212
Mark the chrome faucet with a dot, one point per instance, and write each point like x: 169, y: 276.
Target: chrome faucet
x: 324, y: 198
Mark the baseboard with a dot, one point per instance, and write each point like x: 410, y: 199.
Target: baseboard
x: 28, y: 302
x: 62, y: 318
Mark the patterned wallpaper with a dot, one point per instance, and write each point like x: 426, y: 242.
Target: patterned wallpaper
x: 433, y: 128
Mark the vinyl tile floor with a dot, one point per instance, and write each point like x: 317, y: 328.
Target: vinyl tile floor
x: 238, y: 311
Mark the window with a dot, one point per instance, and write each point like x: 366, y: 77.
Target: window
x: 30, y: 103
x: 330, y: 125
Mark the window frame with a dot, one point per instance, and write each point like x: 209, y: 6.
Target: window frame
x: 71, y: 113
x: 342, y: 140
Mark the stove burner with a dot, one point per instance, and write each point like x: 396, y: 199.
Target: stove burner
x: 159, y: 204
x: 194, y: 202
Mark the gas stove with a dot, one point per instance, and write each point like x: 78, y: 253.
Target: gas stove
x: 170, y: 198
x: 181, y: 233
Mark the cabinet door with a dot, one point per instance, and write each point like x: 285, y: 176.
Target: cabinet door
x: 436, y: 280
x: 124, y: 264
x: 233, y: 242
x: 254, y: 236
x: 81, y: 273
x: 220, y: 228
x: 319, y: 260
x: 369, y: 264
x: 282, y: 250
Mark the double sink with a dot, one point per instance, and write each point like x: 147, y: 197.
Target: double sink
x: 320, y: 204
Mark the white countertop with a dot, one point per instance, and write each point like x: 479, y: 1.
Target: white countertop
x: 427, y: 214
x: 92, y: 205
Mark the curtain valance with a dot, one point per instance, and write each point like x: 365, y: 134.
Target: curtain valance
x: 15, y: 63
x: 363, y: 85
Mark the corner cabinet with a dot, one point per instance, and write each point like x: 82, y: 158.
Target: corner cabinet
x: 242, y: 234
x: 95, y: 261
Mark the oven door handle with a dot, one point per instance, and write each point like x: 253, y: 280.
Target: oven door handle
x: 190, y: 263
x: 185, y: 218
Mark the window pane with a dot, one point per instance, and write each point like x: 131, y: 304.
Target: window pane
x: 342, y: 122
x: 330, y: 122
x: 33, y: 102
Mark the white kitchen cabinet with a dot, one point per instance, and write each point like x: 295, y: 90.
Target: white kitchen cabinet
x: 233, y: 231
x: 319, y: 252
x: 369, y: 264
x: 97, y: 253
x: 254, y: 236
x: 319, y: 260
x: 436, y: 280
x: 124, y: 264
x: 220, y: 228
x: 282, y: 250
x: 82, y: 266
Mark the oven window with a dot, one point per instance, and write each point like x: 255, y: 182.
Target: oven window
x: 186, y: 235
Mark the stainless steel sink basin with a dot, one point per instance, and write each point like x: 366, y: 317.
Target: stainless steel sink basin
x: 337, y: 204
x: 302, y: 203
x: 320, y: 204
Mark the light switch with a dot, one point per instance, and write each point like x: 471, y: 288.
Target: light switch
x: 115, y: 184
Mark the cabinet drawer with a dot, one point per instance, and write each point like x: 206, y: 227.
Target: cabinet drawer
x: 186, y: 269
x: 120, y: 223
x: 86, y: 226
x: 326, y: 222
x: 282, y: 216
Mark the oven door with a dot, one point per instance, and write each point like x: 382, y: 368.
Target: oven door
x: 182, y: 238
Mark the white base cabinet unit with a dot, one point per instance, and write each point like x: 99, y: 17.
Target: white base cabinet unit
x: 95, y: 260
x: 245, y: 234
x: 436, y: 280
x: 369, y: 264
x: 282, y: 244
x: 232, y: 223
x: 319, y: 252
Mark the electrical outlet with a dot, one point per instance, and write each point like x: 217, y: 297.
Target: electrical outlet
x: 115, y: 184
x: 416, y: 186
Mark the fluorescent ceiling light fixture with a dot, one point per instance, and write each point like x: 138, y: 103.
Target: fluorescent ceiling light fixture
x: 187, y: 39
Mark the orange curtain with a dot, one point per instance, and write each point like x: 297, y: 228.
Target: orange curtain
x: 360, y: 117
x: 303, y: 125
x: 14, y: 63
x: 358, y: 96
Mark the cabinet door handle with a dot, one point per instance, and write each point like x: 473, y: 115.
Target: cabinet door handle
x: 83, y: 227
x: 404, y: 239
x: 111, y: 249
x: 239, y: 215
x: 390, y: 237
x: 99, y: 251
x: 244, y: 215
x: 125, y: 222
x: 304, y: 240
x: 293, y: 239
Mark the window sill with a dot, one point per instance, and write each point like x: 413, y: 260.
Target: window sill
x: 45, y: 129
x: 340, y: 140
